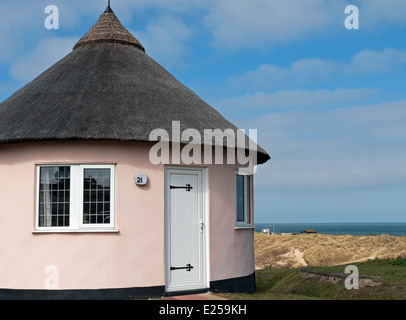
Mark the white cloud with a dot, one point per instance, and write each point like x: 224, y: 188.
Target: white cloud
x: 295, y: 99
x: 16, y: 18
x: 271, y: 77
x: 240, y: 23
x: 376, y: 62
x: 377, y: 13
x: 256, y: 23
x: 165, y: 40
x: 172, y: 5
x: 22, y: 23
x: 342, y: 148
x: 320, y: 71
x: 44, y: 55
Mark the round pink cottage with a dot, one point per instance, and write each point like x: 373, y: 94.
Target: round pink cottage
x: 85, y: 211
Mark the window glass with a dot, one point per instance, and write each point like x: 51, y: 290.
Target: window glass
x: 96, y: 196
x: 248, y: 192
x: 240, y: 198
x: 243, y: 200
x: 54, y: 196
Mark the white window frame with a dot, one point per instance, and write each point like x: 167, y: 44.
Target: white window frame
x: 247, y: 222
x: 76, y: 199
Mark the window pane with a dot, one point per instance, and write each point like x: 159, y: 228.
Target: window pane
x: 240, y: 198
x: 96, y: 196
x: 54, y: 196
x: 248, y: 200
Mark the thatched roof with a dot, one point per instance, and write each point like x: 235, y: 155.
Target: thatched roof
x: 108, y: 29
x: 107, y: 88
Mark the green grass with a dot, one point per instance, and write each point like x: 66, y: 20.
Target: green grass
x: 286, y: 284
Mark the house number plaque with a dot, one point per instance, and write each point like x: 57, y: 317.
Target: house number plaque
x: 141, y: 179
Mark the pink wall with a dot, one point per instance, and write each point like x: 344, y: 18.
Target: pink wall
x: 231, y: 250
x: 132, y: 257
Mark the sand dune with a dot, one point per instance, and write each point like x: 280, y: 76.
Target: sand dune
x: 321, y: 249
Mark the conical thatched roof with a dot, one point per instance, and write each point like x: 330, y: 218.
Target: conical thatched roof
x: 107, y: 88
x: 108, y: 29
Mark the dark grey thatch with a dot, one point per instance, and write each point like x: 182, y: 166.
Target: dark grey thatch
x: 107, y: 88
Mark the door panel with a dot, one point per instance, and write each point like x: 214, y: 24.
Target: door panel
x: 185, y: 230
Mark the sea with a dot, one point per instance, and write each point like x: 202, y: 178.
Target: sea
x: 357, y: 229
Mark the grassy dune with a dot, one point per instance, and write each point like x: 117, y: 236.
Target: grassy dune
x: 279, y: 256
x: 323, y: 250
x: 287, y: 284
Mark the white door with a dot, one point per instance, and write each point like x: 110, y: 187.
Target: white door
x: 185, y: 229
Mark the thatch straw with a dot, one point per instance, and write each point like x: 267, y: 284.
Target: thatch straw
x: 108, y: 29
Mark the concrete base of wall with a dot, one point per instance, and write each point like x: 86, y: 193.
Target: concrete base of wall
x: 241, y: 284
x: 96, y: 294
x: 236, y: 285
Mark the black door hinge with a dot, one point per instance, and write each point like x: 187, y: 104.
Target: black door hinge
x: 188, y: 187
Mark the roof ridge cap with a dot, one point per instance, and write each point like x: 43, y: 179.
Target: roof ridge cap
x: 108, y: 29
x: 108, y: 9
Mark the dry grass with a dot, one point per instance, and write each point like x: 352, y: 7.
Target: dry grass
x: 324, y: 250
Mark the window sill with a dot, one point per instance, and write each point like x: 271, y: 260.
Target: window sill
x: 77, y: 231
x: 244, y: 228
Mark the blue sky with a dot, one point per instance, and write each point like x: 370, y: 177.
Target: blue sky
x: 329, y: 103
